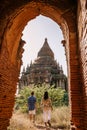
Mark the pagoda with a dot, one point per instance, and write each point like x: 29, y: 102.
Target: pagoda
x: 44, y: 69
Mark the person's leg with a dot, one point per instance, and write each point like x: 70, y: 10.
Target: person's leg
x: 49, y: 123
x: 49, y: 118
x: 30, y: 116
x: 45, y: 124
x: 45, y: 118
x: 34, y: 113
x: 34, y: 118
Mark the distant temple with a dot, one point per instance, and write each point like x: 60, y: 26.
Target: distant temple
x: 44, y: 70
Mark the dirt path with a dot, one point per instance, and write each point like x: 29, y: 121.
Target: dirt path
x: 41, y: 127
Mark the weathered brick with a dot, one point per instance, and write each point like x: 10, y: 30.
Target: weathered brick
x: 72, y: 17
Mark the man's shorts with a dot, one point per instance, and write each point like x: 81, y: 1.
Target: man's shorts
x: 33, y: 112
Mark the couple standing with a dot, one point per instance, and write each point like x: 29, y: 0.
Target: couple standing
x: 46, y: 105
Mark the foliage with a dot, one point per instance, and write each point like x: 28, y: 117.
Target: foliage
x: 58, y: 96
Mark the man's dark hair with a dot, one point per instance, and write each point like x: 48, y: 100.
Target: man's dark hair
x: 32, y: 93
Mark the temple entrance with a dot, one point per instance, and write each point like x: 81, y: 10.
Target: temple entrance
x: 41, y: 71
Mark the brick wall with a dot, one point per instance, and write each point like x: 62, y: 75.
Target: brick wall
x: 8, y: 80
x: 76, y: 53
x: 82, y: 29
x: 76, y: 96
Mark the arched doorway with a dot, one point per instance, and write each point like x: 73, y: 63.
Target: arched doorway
x: 11, y: 50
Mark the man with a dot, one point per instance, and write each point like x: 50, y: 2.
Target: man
x: 32, y: 107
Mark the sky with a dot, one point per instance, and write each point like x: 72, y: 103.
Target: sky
x: 34, y: 35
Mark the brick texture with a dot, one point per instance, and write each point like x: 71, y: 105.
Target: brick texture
x: 72, y: 18
x: 82, y: 28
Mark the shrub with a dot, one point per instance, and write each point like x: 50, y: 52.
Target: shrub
x: 58, y: 96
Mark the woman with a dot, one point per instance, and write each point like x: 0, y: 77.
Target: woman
x: 47, y: 107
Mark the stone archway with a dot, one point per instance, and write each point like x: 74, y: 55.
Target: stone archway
x: 14, y: 17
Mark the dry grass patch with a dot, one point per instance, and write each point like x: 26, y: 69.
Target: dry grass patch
x: 19, y: 121
x: 60, y: 119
